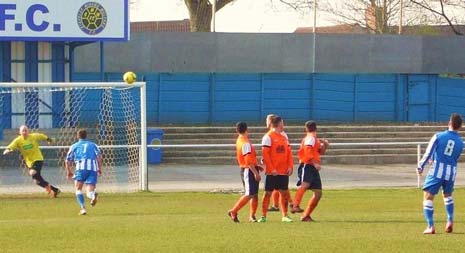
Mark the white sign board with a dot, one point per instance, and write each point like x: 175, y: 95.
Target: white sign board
x: 64, y: 20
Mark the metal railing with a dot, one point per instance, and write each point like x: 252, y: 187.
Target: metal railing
x: 417, y: 144
x: 157, y: 146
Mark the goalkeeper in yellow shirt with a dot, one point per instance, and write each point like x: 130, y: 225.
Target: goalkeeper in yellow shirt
x: 28, y: 145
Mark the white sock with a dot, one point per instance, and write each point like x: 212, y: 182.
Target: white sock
x: 91, y: 194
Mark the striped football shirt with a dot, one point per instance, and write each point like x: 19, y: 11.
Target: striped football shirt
x: 85, y: 154
x: 444, y: 149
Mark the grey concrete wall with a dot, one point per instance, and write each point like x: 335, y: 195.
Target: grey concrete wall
x: 276, y: 53
x: 369, y: 54
x: 447, y: 55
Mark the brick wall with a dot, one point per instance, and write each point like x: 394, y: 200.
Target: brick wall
x: 161, y: 26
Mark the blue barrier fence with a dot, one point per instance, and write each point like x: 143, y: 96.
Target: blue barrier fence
x: 217, y: 98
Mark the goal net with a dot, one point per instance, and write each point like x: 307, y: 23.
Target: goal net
x: 112, y: 113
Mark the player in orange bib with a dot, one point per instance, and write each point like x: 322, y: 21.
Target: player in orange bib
x: 275, y: 195
x: 250, y: 173
x: 309, y: 177
x: 278, y: 160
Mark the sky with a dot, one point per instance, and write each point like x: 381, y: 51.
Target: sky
x: 239, y: 16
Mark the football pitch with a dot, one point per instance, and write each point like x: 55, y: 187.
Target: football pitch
x: 368, y: 220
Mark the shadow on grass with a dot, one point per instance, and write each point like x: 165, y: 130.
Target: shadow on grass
x: 66, y: 195
x: 370, y: 221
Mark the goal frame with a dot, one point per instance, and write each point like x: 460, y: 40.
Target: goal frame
x: 143, y: 168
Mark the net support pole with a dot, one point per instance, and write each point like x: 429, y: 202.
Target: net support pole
x: 144, y: 183
x: 213, y: 24
x: 315, y: 6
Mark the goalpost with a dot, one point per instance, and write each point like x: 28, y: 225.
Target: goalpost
x: 114, y: 114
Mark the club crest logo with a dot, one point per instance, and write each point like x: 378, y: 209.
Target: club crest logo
x: 92, y: 18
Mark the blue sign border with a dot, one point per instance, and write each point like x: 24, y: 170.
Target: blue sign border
x: 125, y: 38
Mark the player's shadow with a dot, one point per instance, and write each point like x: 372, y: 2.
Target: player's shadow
x: 370, y: 221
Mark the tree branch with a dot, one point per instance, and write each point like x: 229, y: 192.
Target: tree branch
x: 442, y: 6
x: 298, y: 4
x: 222, y: 3
x: 442, y: 14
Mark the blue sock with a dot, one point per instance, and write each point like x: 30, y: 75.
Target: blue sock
x: 449, y: 204
x: 428, y: 211
x: 80, y: 198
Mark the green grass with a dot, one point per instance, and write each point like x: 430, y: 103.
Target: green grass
x: 384, y: 220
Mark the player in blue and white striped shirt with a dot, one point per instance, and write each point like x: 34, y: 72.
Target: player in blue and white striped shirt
x: 87, y: 158
x: 443, y: 151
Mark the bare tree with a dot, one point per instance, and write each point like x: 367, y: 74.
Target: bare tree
x: 200, y: 13
x: 299, y: 5
x: 377, y: 16
x: 439, y: 9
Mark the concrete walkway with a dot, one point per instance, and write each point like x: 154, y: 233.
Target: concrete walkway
x: 226, y: 178
x: 171, y: 177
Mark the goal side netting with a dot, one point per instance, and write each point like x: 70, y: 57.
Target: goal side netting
x: 112, y: 113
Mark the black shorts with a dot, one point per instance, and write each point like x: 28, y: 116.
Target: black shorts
x: 309, y: 174
x: 37, y: 166
x: 299, y: 172
x: 248, y: 181
x: 278, y: 182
